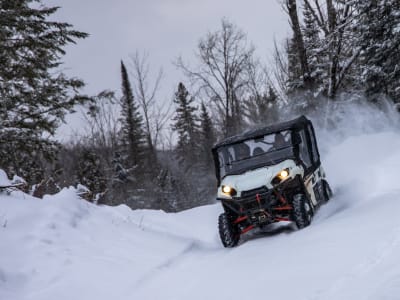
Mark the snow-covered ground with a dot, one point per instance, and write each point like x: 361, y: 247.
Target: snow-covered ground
x: 62, y: 247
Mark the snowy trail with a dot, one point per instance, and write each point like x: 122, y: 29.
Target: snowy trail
x: 65, y: 248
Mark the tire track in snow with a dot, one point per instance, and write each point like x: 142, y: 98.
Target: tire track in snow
x: 361, y: 270
x: 189, y: 250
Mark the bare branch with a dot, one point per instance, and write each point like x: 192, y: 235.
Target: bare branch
x: 320, y: 21
x: 347, y: 66
x: 321, y: 16
x: 146, y: 94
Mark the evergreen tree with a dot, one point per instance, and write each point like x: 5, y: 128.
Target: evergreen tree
x: 34, y: 97
x: 206, y: 138
x: 315, y: 52
x: 119, y: 182
x: 323, y: 46
x: 294, y: 74
x: 90, y: 172
x: 168, y: 191
x: 272, y: 112
x: 378, y: 31
x: 185, y: 124
x: 132, y: 134
x: 120, y: 172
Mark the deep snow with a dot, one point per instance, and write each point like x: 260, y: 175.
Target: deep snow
x: 62, y: 247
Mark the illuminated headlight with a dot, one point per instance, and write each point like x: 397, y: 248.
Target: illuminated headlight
x: 280, y: 177
x: 229, y: 191
x: 283, y: 174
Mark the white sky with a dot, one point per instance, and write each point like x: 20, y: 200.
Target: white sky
x: 163, y: 28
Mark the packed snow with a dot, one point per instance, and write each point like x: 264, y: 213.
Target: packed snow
x: 62, y: 247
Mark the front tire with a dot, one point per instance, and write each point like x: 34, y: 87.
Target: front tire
x: 327, y: 191
x: 302, y: 212
x: 228, y: 232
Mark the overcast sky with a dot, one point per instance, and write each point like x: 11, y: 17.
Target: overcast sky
x: 163, y: 28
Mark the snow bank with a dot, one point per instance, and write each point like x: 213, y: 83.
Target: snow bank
x: 4, y: 181
x: 63, y: 247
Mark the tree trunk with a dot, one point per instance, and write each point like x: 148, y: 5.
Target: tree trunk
x: 298, y: 38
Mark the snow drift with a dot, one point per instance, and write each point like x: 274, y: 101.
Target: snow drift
x: 63, y: 247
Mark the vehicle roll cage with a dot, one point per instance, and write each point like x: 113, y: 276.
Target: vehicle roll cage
x: 296, y: 126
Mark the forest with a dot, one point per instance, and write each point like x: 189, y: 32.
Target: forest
x: 145, y: 153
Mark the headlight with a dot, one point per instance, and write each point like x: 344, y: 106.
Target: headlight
x: 280, y: 177
x: 229, y: 191
x: 283, y: 174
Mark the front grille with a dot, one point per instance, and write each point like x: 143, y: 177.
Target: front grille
x: 254, y: 192
x: 248, y: 199
x: 251, y: 204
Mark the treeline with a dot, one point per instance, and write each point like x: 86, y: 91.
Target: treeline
x: 148, y: 153
x: 342, y: 47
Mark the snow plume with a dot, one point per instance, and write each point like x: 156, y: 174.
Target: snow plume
x: 348, y: 116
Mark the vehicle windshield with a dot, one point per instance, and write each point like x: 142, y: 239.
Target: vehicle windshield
x: 255, y: 153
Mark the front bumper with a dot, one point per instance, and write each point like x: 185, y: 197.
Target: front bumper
x: 252, y: 201
x: 263, y: 205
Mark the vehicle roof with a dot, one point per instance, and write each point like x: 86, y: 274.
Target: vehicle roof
x: 261, y: 131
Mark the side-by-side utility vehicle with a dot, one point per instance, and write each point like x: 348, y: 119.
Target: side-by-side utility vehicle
x: 268, y: 175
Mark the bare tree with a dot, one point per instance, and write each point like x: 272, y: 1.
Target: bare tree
x: 102, y: 127
x: 222, y: 71
x: 102, y: 121
x: 257, y: 78
x: 279, y: 76
x: 155, y: 114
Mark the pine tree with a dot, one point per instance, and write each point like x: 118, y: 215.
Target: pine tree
x: 378, y: 32
x: 185, y: 124
x: 272, y: 112
x: 167, y: 191
x: 34, y: 97
x: 120, y: 172
x: 313, y: 44
x: 132, y: 134
x: 122, y: 183
x: 206, y: 138
x: 295, y: 79
x: 90, y: 172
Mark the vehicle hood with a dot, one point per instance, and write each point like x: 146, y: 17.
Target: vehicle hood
x: 256, y: 178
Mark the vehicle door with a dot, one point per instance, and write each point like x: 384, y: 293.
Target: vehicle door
x: 317, y: 174
x: 309, y: 163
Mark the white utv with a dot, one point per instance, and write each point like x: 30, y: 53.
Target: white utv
x: 269, y: 175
